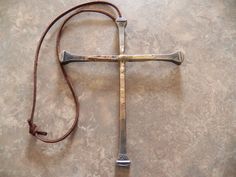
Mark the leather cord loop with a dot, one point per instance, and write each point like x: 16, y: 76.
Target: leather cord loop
x: 33, y: 129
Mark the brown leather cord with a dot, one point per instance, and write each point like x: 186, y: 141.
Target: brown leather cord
x: 33, y: 129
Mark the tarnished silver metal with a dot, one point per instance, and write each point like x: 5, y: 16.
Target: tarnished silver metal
x: 123, y: 159
x: 121, y: 22
x: 176, y: 57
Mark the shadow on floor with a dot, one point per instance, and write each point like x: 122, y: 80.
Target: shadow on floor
x: 122, y: 171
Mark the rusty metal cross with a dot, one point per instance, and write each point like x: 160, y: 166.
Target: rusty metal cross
x: 121, y: 22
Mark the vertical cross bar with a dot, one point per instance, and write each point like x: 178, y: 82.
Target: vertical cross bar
x: 123, y: 159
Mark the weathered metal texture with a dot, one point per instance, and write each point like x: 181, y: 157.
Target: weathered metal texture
x: 123, y: 159
x: 176, y: 58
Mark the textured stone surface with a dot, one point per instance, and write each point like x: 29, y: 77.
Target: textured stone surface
x: 181, y: 120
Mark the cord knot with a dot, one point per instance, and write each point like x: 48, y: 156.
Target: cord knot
x: 33, y: 129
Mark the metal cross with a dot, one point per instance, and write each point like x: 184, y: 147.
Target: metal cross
x: 121, y: 22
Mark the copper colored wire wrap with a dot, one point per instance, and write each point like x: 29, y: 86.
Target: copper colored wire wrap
x: 33, y: 129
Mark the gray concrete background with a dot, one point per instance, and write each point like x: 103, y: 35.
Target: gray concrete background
x: 181, y: 120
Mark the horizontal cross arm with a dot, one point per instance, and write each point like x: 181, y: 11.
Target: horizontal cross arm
x: 176, y: 57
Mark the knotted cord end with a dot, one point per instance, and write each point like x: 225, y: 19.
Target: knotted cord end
x: 33, y: 129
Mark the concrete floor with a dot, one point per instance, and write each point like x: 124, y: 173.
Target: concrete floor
x: 181, y: 119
